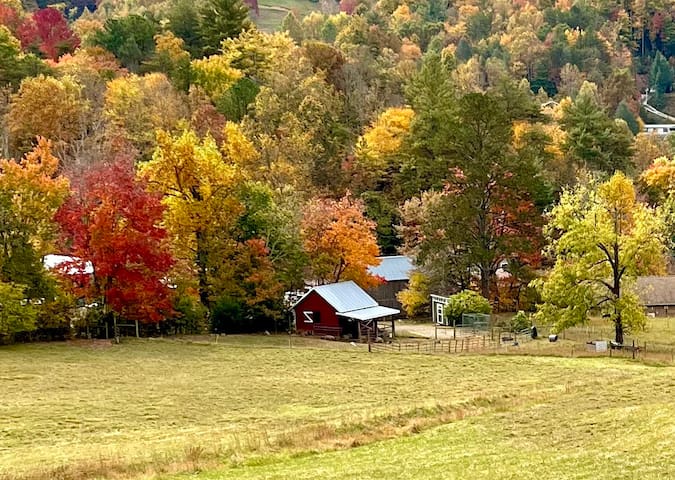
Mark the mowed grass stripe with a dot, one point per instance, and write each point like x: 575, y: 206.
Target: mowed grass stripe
x: 159, y: 401
x: 576, y: 434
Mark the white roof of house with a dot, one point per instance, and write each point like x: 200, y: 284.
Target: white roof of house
x: 395, y: 267
x: 52, y: 261
x: 350, y: 300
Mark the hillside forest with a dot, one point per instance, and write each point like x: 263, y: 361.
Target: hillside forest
x: 191, y: 167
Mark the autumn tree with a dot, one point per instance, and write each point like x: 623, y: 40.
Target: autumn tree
x: 51, y: 108
x: 601, y: 238
x: 137, y: 106
x: 10, y: 17
x: 339, y: 241
x: 415, y: 298
x: 649, y: 146
x: 296, y: 124
x: 378, y: 150
x: 659, y: 179
x: 245, y: 281
x: 47, y: 32
x: 31, y: 191
x: 198, y: 188
x: 172, y: 59
x: 112, y: 223
x: 489, y: 209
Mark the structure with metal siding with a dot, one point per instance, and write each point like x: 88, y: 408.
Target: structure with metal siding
x: 395, y: 272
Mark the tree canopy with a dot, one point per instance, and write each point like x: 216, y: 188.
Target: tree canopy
x: 601, y: 239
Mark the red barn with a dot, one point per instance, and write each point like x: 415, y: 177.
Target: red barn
x: 339, y: 309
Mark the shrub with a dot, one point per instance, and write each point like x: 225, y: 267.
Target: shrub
x: 227, y: 316
x: 415, y: 298
x: 520, y: 321
x: 466, y: 301
x: 190, y: 318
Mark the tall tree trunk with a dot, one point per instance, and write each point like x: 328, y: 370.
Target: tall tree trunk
x: 618, y: 330
x: 616, y: 271
x: 485, y: 282
x: 202, y: 265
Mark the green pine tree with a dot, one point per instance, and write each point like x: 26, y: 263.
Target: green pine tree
x: 222, y: 19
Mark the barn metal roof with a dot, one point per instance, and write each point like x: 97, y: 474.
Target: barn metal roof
x: 345, y: 296
x: 350, y: 300
x: 396, y: 267
x: 370, y: 313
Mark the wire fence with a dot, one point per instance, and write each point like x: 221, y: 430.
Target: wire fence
x: 587, y: 341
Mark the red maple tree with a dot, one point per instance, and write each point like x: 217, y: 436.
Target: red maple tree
x: 110, y: 224
x: 46, y: 31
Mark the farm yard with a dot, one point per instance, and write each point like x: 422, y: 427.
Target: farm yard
x: 251, y: 407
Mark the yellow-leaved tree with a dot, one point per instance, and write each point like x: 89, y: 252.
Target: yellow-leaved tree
x: 198, y: 183
x: 31, y: 191
x: 49, y: 107
x: 136, y: 107
x: 378, y: 146
x: 601, y: 238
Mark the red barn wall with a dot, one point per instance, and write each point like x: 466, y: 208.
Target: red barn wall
x: 315, y: 303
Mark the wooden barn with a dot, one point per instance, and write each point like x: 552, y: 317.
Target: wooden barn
x: 340, y: 309
x: 395, y: 271
x: 657, y: 294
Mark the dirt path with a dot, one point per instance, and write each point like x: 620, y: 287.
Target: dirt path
x: 423, y: 330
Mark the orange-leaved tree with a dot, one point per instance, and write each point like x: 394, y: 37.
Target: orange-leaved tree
x: 339, y: 241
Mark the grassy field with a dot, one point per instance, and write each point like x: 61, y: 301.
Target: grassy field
x: 251, y: 407
x: 273, y: 12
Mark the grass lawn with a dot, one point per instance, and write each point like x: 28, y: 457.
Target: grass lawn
x: 251, y: 407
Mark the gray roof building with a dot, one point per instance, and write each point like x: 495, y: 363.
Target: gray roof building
x: 657, y: 291
x: 393, y: 268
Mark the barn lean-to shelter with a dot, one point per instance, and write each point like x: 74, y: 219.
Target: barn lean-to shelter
x: 340, y: 309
